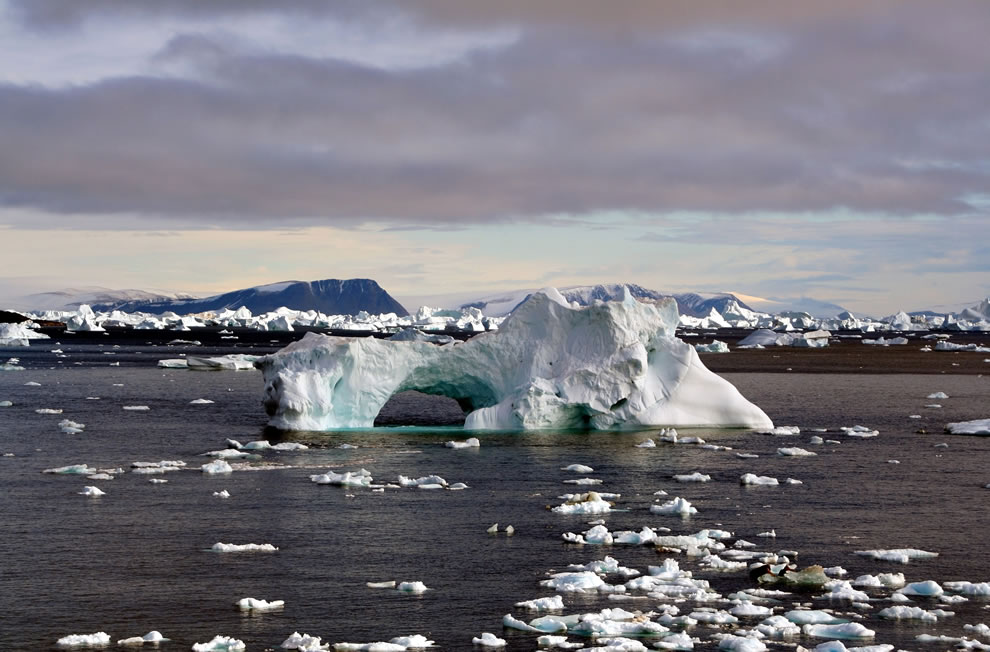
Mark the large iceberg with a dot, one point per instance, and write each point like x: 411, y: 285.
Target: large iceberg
x: 550, y: 365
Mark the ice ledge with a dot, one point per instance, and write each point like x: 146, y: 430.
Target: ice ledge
x: 550, y: 365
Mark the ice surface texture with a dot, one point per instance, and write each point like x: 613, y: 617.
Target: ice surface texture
x: 550, y: 365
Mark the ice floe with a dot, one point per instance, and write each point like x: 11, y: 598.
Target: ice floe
x: 254, y: 604
x: 220, y: 643
x: 361, y: 478
x: 487, y: 639
x: 99, y: 639
x: 470, y: 442
x: 92, y: 491
x: 697, y: 476
x: 675, y: 507
x: 975, y: 427
x: 304, y: 643
x: 413, y: 588
x: 795, y: 452
x: 588, y: 503
x: 753, y: 479
x: 898, y: 555
x: 397, y: 644
x: 216, y: 467
x: 243, y: 547
x: 154, y: 637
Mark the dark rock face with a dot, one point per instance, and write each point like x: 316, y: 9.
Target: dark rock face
x: 330, y: 296
x: 8, y: 317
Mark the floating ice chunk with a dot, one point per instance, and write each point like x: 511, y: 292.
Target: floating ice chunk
x: 933, y: 406
x: 92, y: 491
x: 574, y: 582
x: 470, y: 442
x: 714, y: 617
x: 969, y: 588
x: 99, y: 639
x: 289, y: 446
x: 747, y: 456
x: 200, y: 401
x: 253, y: 604
x: 136, y: 408
x: 217, y: 466
x: 578, y: 468
x: 843, y: 590
x: 649, y: 443
x: 741, y: 643
x: 938, y: 395
x: 304, y: 643
x: 716, y: 346
x: 552, y: 603
x: 794, y: 452
x: 976, y: 427
x: 222, y: 494
x: 771, y: 534
x: 753, y: 479
x: 813, y: 617
x: 781, y: 431
x: 584, y: 481
x: 413, y: 588
x: 980, y: 630
x: 928, y: 588
x: 173, y: 363
x: 678, y: 641
x: 361, y: 478
x: 551, y: 641
x: 154, y: 637
x: 674, y: 507
x: 899, y: 555
x: 220, y: 644
x: 424, y: 480
x: 99, y: 476
x: 859, y: 431
x: 49, y: 410
x: 6, y: 404
x: 258, y: 445
x: 902, y: 612
x: 157, y: 481
x: 588, y: 503
x: 487, y: 639
x: 748, y: 609
x: 693, y: 477
x: 228, y: 454
x: 31, y: 383
x: 889, y: 580
x: 949, y: 346
x: 841, y: 631
x: 243, y: 547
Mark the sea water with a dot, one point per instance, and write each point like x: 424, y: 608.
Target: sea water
x: 139, y: 558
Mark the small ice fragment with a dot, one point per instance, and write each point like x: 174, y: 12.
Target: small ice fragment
x: 471, y: 442
x: 99, y: 639
x: 5, y: 404
x: 305, y: 643
x: 136, y: 408
x: 31, y: 383
x: 509, y: 530
x: 900, y: 555
x: 220, y: 644
x: 977, y: 427
x: 649, y: 443
x: 942, y: 445
x: 793, y: 481
x: 552, y: 603
x: 770, y: 534
x: 457, y: 486
x: 938, y: 395
x: 747, y: 456
x: 927, y: 588
x: 154, y: 637
x: 389, y: 584
x: 840, y: 631
x: 794, y: 452
x: 487, y: 639
x: 578, y: 468
x: 243, y: 547
x: 697, y: 476
x: 222, y: 494
x: 200, y: 401
x: 588, y: 503
x: 253, y: 604
x: 92, y: 491
x: 676, y: 507
x: 782, y: 431
x: 157, y: 480
x: 753, y: 479
x: 49, y: 410
x: 217, y: 466
x: 413, y: 588
x: 584, y: 481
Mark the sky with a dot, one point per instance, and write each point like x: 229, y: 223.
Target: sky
x: 834, y: 150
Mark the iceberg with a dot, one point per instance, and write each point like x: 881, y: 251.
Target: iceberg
x: 550, y: 365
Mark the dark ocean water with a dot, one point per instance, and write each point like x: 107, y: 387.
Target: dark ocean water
x: 138, y: 558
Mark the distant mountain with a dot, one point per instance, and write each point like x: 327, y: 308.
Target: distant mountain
x: 330, y: 296
x: 71, y: 298
x: 688, y: 303
x: 778, y: 305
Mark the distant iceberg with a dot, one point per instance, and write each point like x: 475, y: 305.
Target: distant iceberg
x: 551, y: 364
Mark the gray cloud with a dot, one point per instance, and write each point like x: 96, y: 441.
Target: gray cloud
x: 771, y: 106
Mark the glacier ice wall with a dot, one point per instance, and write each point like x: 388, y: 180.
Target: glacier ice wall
x: 550, y: 365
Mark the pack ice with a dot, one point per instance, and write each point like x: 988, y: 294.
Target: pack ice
x: 550, y: 365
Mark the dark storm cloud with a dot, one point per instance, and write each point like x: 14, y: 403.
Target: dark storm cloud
x: 725, y: 107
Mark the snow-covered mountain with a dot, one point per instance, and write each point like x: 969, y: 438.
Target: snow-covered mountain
x: 73, y: 297
x: 329, y: 296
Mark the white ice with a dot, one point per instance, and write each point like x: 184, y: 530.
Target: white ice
x: 470, y: 442
x: 154, y: 637
x: 753, y: 479
x: 551, y: 603
x: 842, y: 631
x: 304, y: 643
x: 200, y: 401
x: 674, y: 507
x: 92, y: 491
x: 487, y: 639
x: 361, y: 478
x: 216, y: 467
x: 243, y: 547
x: 794, y: 452
x: 976, y: 427
x: 254, y: 604
x: 697, y: 476
x: 589, y: 503
x: 222, y: 494
x: 413, y: 588
x: 601, y: 366
x: 578, y: 468
x: 220, y: 644
x: 99, y: 639
x: 900, y: 555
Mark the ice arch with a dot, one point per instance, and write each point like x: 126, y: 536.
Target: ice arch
x: 550, y: 365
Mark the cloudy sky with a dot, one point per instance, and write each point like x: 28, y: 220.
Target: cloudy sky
x: 837, y: 150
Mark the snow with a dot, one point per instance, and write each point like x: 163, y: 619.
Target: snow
x: 976, y: 427
x: 602, y: 366
x: 99, y: 639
